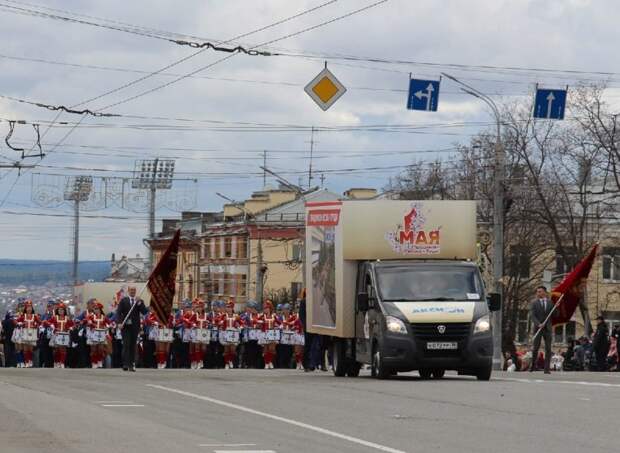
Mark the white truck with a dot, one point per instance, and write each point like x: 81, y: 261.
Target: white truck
x: 397, y: 286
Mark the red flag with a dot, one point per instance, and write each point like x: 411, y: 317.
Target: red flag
x: 161, y: 283
x: 573, y: 287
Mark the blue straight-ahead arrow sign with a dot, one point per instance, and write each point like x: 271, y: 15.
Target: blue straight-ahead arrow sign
x: 423, y: 95
x: 549, y: 104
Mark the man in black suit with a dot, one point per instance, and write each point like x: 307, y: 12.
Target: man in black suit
x: 131, y: 327
x: 540, y: 309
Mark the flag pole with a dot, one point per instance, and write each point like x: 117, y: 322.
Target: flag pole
x: 542, y: 326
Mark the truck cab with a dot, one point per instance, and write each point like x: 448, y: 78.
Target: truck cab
x: 425, y: 315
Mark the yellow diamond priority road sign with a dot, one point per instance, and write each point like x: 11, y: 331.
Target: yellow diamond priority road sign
x: 325, y: 89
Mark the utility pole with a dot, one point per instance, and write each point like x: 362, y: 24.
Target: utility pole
x: 312, y: 142
x: 498, y: 218
x: 259, y: 270
x: 77, y: 189
x: 264, y: 165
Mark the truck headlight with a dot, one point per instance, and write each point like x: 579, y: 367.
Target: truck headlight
x: 483, y: 324
x: 395, y: 325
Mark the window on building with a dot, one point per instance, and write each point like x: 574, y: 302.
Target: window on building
x: 242, y: 285
x: 229, y: 285
x: 227, y: 247
x: 564, y: 333
x: 611, y: 264
x: 242, y: 247
x: 612, y: 318
x: 519, y: 261
x: 565, y: 263
x: 297, y: 251
x: 522, y: 326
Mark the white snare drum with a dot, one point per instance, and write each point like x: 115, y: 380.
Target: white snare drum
x: 272, y: 335
x: 187, y: 335
x: 17, y: 335
x: 29, y: 336
x: 229, y: 336
x: 202, y: 336
x: 215, y: 334
x: 299, y: 339
x: 96, y: 336
x: 254, y: 334
x: 61, y: 339
x: 164, y: 335
x: 153, y: 332
x: 288, y: 337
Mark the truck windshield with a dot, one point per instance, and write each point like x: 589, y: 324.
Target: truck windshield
x: 436, y: 283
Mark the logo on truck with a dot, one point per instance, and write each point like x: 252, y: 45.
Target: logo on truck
x: 413, y: 237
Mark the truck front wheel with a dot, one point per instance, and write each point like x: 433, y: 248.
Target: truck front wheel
x: 484, y: 374
x: 378, y: 369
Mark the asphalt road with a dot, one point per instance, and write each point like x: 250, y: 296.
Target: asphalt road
x: 50, y: 410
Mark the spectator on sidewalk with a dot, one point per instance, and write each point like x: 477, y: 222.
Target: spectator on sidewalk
x: 600, y: 344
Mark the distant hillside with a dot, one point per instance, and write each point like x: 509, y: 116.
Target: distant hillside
x: 29, y: 272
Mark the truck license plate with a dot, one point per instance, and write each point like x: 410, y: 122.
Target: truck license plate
x: 441, y: 345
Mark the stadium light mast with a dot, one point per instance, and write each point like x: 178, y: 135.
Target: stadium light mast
x: 153, y: 175
x: 77, y: 190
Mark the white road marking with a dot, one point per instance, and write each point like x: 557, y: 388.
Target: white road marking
x: 122, y: 405
x: 307, y: 426
x: 553, y: 381
x: 227, y: 445
x: 244, y: 451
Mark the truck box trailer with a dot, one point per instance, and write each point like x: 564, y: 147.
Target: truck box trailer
x: 396, y: 284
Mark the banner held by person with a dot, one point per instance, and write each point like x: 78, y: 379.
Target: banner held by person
x: 161, y: 283
x: 568, y: 293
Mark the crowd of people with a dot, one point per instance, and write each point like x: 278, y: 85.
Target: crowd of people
x: 197, y: 335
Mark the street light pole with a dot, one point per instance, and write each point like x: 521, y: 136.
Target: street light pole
x: 498, y: 217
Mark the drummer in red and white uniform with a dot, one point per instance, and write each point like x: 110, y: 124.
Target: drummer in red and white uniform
x: 62, y: 325
x: 162, y: 342
x: 196, y: 321
x: 292, y: 323
x: 268, y: 321
x: 229, y: 321
x: 97, y: 323
x: 29, y: 322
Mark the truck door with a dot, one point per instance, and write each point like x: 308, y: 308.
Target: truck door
x: 362, y: 326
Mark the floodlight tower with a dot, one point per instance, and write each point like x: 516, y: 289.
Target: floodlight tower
x: 77, y: 189
x: 153, y: 175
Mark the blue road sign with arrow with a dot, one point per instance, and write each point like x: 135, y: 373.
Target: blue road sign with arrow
x: 549, y: 104
x: 423, y: 95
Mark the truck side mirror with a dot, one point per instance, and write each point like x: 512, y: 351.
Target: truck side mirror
x: 362, y: 302
x: 494, y: 300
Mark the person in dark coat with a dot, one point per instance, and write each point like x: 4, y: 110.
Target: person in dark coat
x: 129, y: 319
x: 600, y: 344
x: 9, y: 347
x: 540, y: 310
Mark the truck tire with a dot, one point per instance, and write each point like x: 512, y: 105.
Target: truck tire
x: 378, y: 368
x: 353, y: 370
x: 484, y: 374
x: 425, y: 373
x: 339, y: 358
x: 438, y: 373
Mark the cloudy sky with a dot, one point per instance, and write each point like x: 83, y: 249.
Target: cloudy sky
x: 234, y: 109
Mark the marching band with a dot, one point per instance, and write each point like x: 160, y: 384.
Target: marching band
x: 198, y: 335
